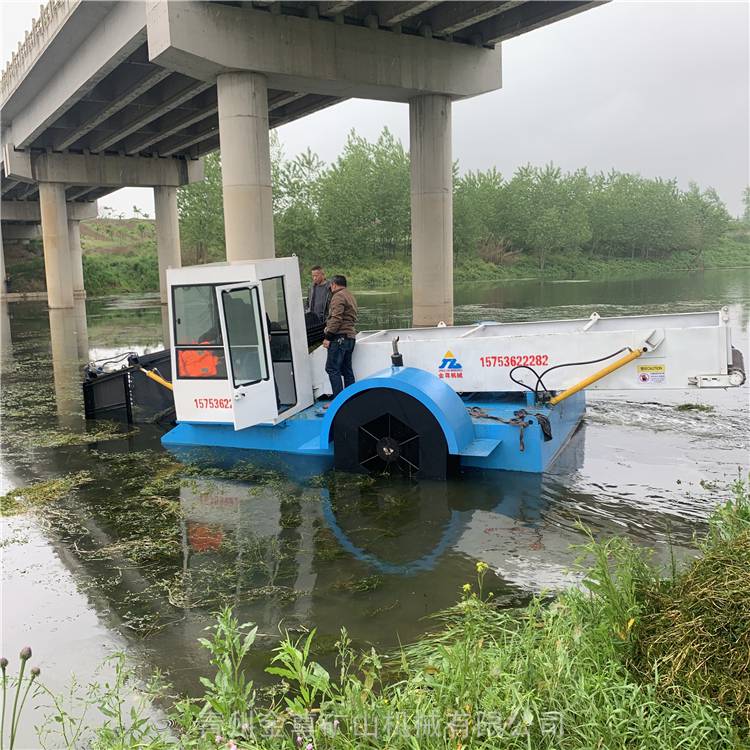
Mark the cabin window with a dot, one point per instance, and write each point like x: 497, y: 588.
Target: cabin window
x: 199, y: 348
x: 274, y: 297
x: 242, y: 315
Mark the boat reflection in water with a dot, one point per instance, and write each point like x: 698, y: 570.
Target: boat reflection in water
x: 372, y: 553
x: 376, y: 555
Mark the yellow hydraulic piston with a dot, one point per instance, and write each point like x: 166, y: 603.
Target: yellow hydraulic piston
x: 616, y: 365
x: 156, y: 378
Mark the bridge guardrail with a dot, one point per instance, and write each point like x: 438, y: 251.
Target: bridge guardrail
x: 51, y: 17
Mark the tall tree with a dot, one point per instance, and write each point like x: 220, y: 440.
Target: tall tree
x: 296, y: 202
x: 202, y: 215
x: 549, y: 211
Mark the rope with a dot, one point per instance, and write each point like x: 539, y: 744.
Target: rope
x: 518, y: 420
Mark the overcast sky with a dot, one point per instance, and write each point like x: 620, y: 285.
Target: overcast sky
x: 660, y: 88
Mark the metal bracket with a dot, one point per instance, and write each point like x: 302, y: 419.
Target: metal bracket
x: 593, y: 319
x: 732, y: 379
x: 653, y: 340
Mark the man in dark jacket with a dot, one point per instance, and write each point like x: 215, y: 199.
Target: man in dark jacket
x: 319, y: 294
x: 340, y: 335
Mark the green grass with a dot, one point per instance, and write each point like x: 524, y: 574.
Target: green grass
x: 27, y: 273
x: 729, y: 253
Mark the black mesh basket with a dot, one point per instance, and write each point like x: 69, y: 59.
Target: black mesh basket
x: 128, y: 395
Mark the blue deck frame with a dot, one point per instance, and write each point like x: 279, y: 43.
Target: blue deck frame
x: 479, y: 442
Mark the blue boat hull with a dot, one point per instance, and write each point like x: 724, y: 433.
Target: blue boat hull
x: 301, y: 443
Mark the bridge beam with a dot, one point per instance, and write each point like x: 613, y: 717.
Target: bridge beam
x: 102, y: 170
x: 167, y: 234
x: 431, y: 210
x: 57, y: 266
x: 204, y: 40
x: 246, y: 165
x: 30, y: 212
x: 21, y: 232
x: 78, y: 68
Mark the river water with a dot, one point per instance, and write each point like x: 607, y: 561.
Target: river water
x: 139, y: 556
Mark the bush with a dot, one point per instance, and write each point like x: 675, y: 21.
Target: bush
x: 694, y: 634
x: 105, y: 274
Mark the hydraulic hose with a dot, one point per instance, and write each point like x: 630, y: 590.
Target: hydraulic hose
x: 540, y: 377
x: 629, y: 357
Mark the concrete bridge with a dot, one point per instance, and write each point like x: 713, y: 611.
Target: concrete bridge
x: 103, y: 95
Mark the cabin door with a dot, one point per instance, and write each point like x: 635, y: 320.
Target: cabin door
x: 244, y: 330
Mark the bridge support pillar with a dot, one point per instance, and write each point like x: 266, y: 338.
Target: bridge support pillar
x: 2, y: 266
x: 431, y: 209
x: 167, y: 234
x: 57, y: 265
x: 76, y: 259
x: 66, y: 374
x: 246, y: 165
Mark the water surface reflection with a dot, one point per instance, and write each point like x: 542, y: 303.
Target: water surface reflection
x: 146, y: 550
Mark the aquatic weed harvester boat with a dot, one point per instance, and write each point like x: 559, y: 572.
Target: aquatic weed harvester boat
x: 426, y: 400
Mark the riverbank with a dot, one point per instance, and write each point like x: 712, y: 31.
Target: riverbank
x: 565, y: 266
x: 120, y: 257
x: 631, y: 658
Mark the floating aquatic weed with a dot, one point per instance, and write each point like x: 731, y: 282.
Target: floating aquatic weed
x: 360, y: 585
x: 23, y: 499
x: 695, y: 407
x: 102, y: 433
x: 144, y: 520
x: 129, y: 459
x: 279, y: 593
x: 142, y: 551
x: 326, y: 546
x: 290, y: 520
x: 182, y: 594
x: 17, y: 537
x: 143, y: 623
x: 46, y: 437
x: 375, y: 611
x: 242, y: 471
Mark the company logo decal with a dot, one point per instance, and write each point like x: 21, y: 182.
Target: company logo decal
x: 450, y: 367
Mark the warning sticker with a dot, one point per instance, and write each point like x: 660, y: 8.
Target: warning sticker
x: 652, y: 373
